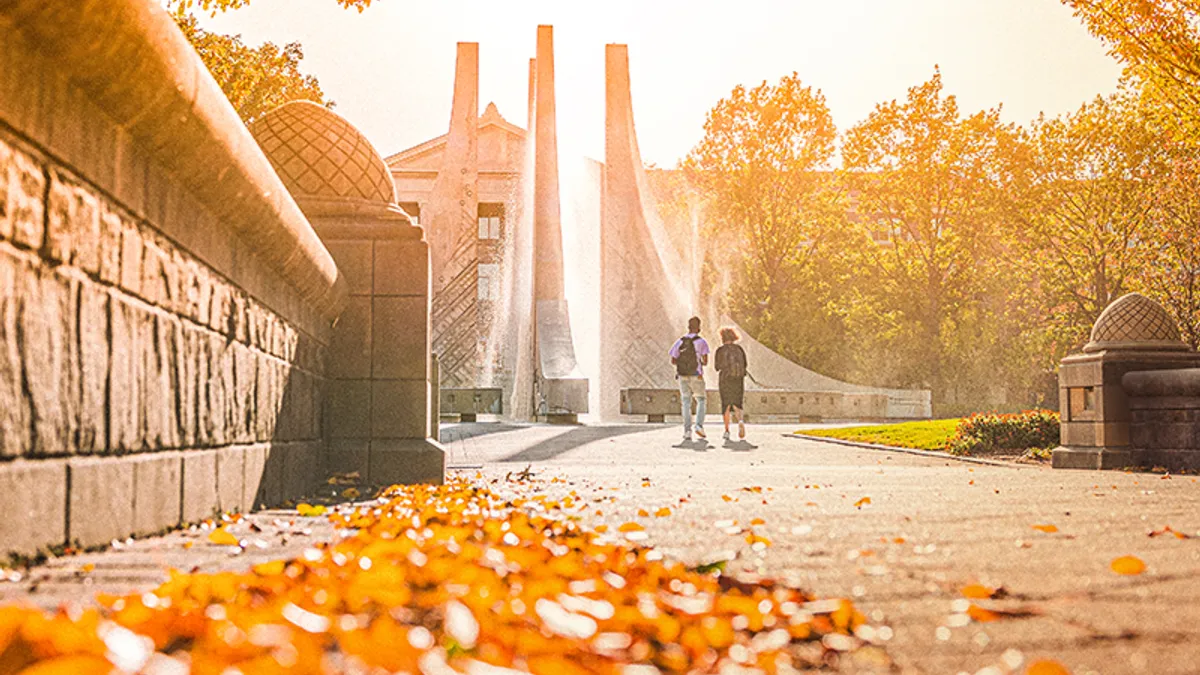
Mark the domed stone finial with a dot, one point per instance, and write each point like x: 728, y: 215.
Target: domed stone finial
x: 321, y: 156
x: 1134, y: 321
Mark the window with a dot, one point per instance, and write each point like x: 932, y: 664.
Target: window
x: 489, y: 227
x: 413, y: 209
x: 489, y: 280
x: 491, y: 221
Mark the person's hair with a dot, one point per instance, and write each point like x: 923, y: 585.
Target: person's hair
x: 728, y: 334
x: 694, y: 324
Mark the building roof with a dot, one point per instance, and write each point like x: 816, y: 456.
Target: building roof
x: 491, y: 118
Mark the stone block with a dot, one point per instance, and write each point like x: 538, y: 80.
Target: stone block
x: 93, y: 368
x: 100, y: 503
x: 218, y: 388
x: 85, y: 230
x: 231, y: 479
x: 26, y: 209
x: 275, y: 472
x: 348, y: 410
x: 347, y: 455
x: 111, y: 227
x: 255, y: 486
x: 399, y: 409
x: 187, y: 383
x: 200, y: 496
x: 131, y: 259
x: 6, y: 178
x: 407, y: 461
x: 353, y: 260
x: 302, y: 469
x: 49, y: 342
x: 400, y: 345
x: 33, y: 499
x: 350, y: 350
x: 15, y: 414
x: 245, y: 378
x: 59, y: 204
x: 153, y: 284
x: 157, y: 491
x: 402, y: 268
x: 159, y: 344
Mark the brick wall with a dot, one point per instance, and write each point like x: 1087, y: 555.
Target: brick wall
x: 165, y: 309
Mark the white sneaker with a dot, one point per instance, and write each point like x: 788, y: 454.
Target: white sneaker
x: 700, y: 432
x: 687, y: 438
x: 725, y: 437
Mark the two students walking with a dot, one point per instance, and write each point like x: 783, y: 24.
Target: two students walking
x: 690, y: 354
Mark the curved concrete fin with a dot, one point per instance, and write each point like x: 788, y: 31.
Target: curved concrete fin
x: 644, y: 300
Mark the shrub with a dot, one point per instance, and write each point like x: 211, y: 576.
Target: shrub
x: 990, y: 432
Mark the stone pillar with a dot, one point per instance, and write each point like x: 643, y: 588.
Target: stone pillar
x: 380, y: 413
x: 453, y: 231
x: 561, y: 390
x: 1132, y: 334
x: 547, y: 224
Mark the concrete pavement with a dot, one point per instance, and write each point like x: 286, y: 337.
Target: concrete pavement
x: 899, y: 534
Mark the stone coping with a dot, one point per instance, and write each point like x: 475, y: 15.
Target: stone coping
x: 1162, y: 383
x: 132, y: 61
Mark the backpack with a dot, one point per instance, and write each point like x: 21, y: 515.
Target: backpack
x: 733, y: 363
x: 688, y: 363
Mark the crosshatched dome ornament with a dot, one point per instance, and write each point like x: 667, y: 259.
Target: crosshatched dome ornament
x: 1134, y: 321
x: 318, y: 154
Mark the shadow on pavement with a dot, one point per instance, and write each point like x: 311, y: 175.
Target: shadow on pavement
x: 739, y: 446
x: 553, y: 447
x: 465, y: 430
x: 699, y: 445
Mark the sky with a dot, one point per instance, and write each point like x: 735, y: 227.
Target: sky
x: 390, y: 68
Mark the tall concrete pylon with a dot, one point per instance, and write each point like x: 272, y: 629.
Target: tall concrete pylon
x: 561, y: 387
x: 642, y: 316
x: 454, y: 204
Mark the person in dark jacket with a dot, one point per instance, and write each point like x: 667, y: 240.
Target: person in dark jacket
x: 730, y: 361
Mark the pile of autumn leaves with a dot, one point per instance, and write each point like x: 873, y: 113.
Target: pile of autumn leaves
x: 449, y: 579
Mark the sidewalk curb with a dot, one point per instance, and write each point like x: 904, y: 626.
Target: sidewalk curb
x: 908, y: 451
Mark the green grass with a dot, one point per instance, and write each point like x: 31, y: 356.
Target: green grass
x: 925, y: 435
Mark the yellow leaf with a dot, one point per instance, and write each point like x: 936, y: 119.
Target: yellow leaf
x: 727, y: 498
x: 1048, y: 529
x: 351, y: 493
x: 643, y: 513
x: 862, y: 502
x: 631, y: 527
x: 222, y: 537
x: 310, y: 510
x: 663, y: 512
x: 758, y: 521
x: 1128, y: 565
x: 601, y: 529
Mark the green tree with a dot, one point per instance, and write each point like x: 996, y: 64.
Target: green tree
x: 763, y: 167
x: 254, y: 79
x: 927, y: 185
x: 1085, y: 213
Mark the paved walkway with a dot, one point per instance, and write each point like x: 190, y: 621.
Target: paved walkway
x: 930, y: 527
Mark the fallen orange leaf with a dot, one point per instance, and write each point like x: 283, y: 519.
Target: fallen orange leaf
x: 1129, y: 565
x: 663, y: 512
x: 631, y: 527
x: 1049, y: 529
x: 862, y: 502
x: 222, y: 537
x: 978, y: 592
x: 1046, y: 667
x: 643, y: 513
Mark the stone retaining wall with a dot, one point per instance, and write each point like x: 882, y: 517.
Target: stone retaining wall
x: 165, y: 309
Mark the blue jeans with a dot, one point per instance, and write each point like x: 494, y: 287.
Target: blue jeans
x: 689, y: 388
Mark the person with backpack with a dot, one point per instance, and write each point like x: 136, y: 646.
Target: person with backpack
x: 730, y: 361
x: 689, y: 354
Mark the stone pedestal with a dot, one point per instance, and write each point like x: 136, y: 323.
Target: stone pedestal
x: 1133, y: 334
x: 380, y: 417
